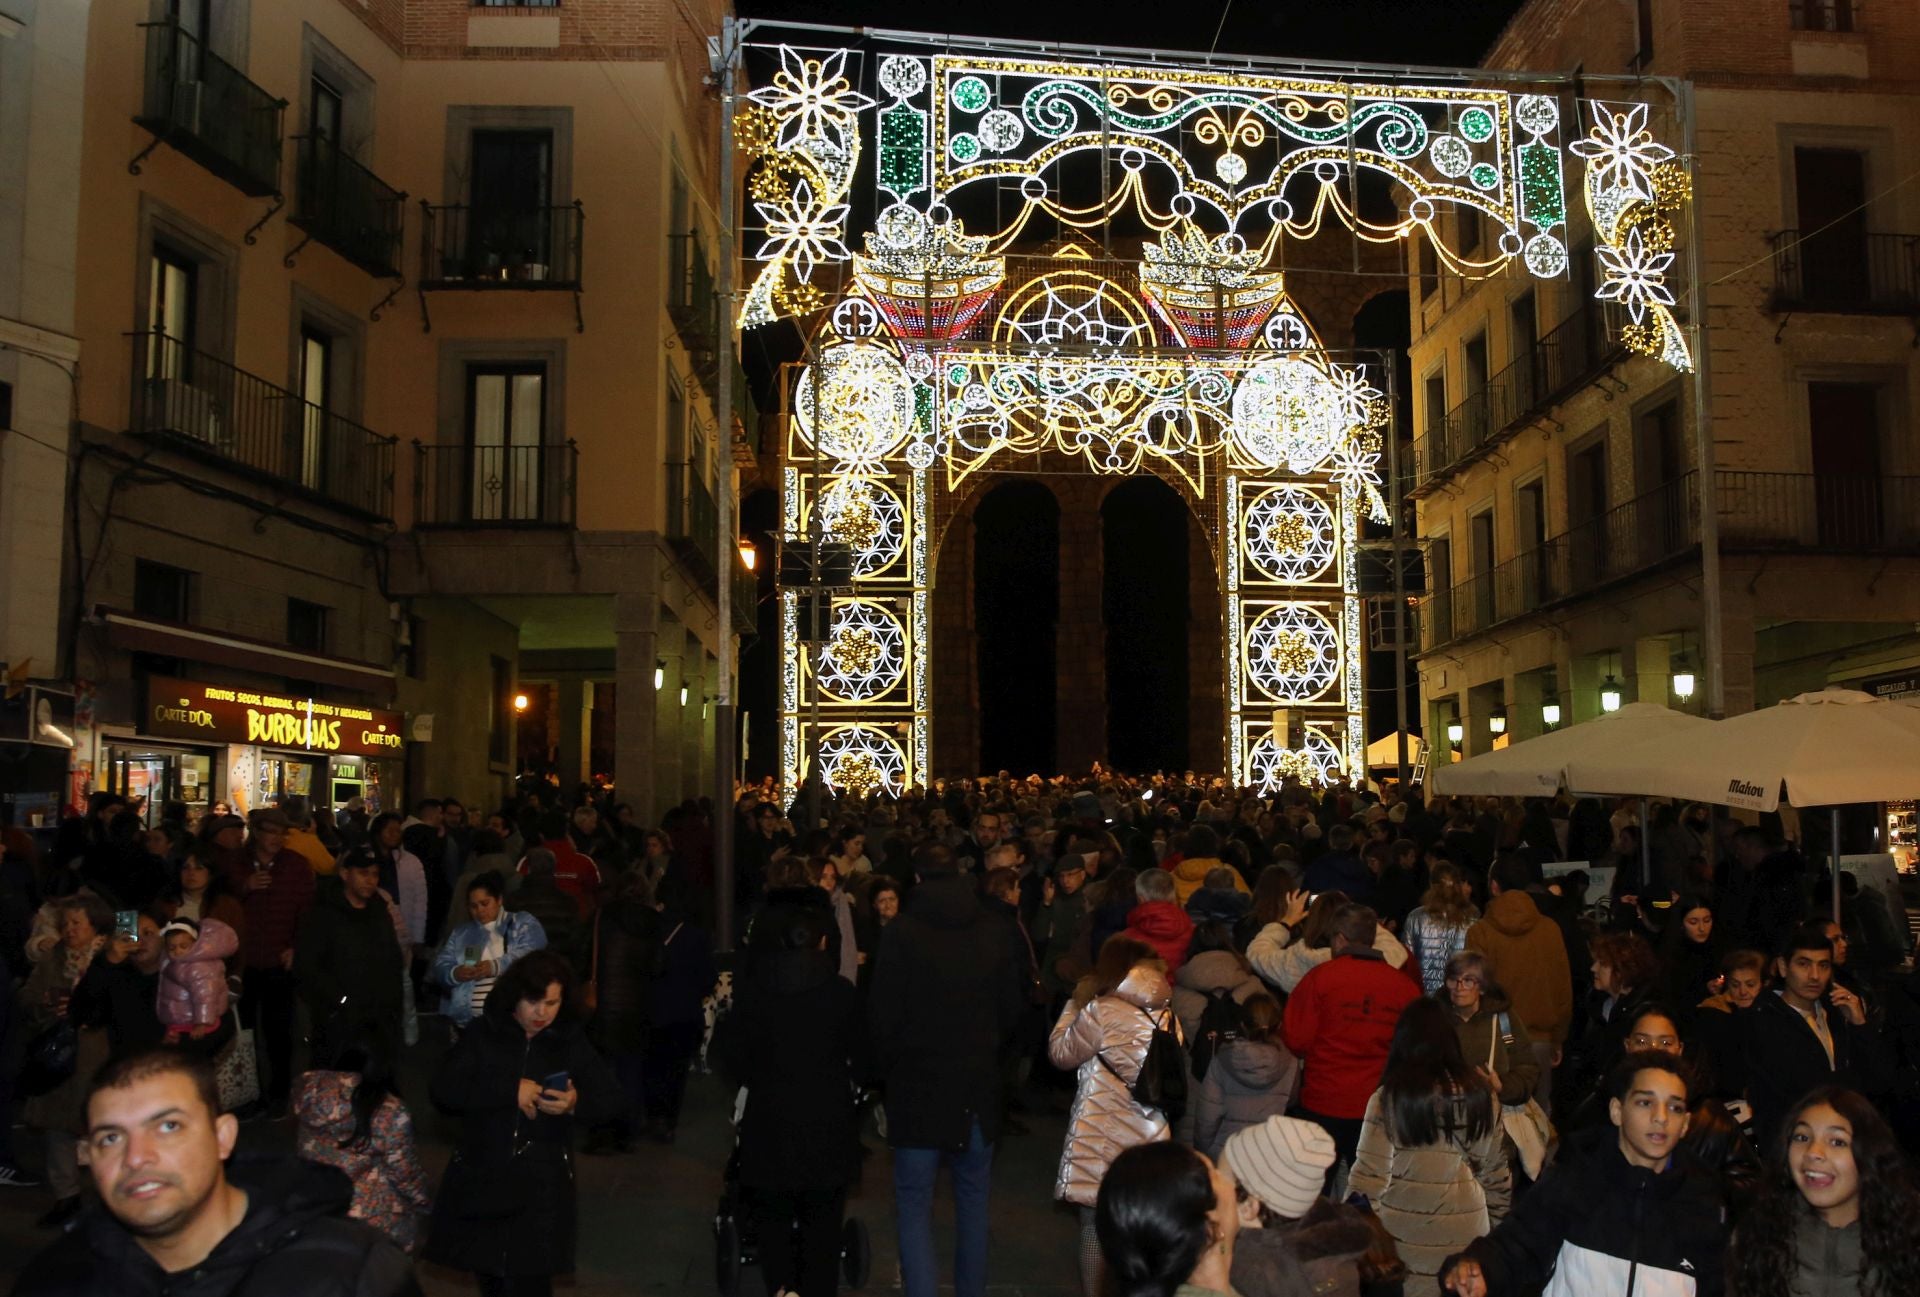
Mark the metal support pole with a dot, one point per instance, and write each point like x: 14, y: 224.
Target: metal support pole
x: 723, y: 710
x: 1712, y: 646
x: 1399, y: 570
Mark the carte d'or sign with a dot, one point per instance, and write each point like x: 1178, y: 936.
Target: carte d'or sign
x: 184, y: 709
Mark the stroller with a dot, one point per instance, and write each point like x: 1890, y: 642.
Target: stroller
x: 735, y: 1247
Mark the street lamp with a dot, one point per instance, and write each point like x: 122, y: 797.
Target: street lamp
x: 1550, y: 712
x: 1683, y: 681
x: 659, y: 676
x: 1497, y: 721
x: 749, y: 554
x: 683, y: 695
x: 1609, y: 694
x: 1455, y: 730
x: 521, y: 702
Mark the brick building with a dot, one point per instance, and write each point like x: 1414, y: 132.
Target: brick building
x: 397, y: 396
x: 1568, y: 512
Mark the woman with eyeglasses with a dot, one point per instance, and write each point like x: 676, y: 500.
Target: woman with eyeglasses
x: 1492, y: 1037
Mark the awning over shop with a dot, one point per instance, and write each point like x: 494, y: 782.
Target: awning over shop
x: 139, y: 634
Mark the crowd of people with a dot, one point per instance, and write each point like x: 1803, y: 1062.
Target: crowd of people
x: 1321, y: 1040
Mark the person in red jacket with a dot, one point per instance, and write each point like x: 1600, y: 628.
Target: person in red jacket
x: 1158, y: 919
x: 574, y: 872
x: 275, y: 887
x: 1339, y: 1022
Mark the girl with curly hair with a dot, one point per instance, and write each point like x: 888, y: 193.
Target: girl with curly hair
x: 1838, y: 1212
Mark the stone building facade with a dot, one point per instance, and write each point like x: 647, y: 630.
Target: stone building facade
x: 1561, y: 490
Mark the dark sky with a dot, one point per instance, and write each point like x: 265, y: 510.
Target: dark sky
x: 1429, y: 32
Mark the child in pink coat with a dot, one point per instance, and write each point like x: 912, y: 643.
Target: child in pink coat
x: 193, y: 980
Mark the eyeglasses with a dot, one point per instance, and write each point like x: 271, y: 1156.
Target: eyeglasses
x: 1640, y: 1040
x: 1468, y: 980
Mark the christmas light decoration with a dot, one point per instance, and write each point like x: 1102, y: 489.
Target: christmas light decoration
x: 939, y: 352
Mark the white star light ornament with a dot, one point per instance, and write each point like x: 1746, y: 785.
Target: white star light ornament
x: 1621, y: 152
x: 1635, y: 275
x: 803, y: 231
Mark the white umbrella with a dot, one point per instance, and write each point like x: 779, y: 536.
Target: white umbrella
x: 1539, y: 767
x: 1833, y: 747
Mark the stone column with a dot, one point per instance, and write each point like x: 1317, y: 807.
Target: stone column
x: 636, y: 620
x: 670, y: 648
x: 573, y: 719
x: 1080, y: 699
x: 954, y: 670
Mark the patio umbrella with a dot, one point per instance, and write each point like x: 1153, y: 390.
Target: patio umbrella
x: 1539, y: 767
x: 1832, y: 747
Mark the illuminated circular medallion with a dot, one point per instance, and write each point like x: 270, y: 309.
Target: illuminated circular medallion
x: 865, y: 655
x: 868, y: 517
x: 860, y: 399
x: 862, y: 760
x: 1269, y: 765
x: 1293, y: 653
x: 1288, y: 411
x: 1289, y: 534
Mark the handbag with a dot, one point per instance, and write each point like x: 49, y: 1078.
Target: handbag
x: 51, y: 1058
x: 1380, y: 1265
x: 1526, y: 1123
x: 590, y: 989
x: 236, y: 1069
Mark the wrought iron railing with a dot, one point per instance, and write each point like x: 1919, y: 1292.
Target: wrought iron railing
x: 198, y: 403
x: 1848, y: 513
x: 690, y: 290
x: 1558, y: 362
x: 342, y: 204
x: 462, y: 246
x: 1842, y: 270
x: 461, y: 485
x: 1648, y: 530
x: 200, y: 104
x: 693, y: 518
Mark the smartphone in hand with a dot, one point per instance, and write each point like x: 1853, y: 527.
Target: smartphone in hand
x: 557, y: 1082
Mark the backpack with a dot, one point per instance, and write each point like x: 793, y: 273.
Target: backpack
x: 1162, y: 1082
x: 1221, y: 1021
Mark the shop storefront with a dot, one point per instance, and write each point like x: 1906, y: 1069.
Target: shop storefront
x: 204, y: 744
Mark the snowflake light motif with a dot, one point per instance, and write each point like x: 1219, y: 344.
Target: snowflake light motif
x: 1621, y: 152
x: 803, y: 231
x: 855, y: 403
x: 866, y: 654
x: 1635, y: 275
x: 1293, y: 653
x: 1289, y: 534
x: 813, y: 98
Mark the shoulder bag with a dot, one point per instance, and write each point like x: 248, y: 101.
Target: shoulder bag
x: 1526, y: 1123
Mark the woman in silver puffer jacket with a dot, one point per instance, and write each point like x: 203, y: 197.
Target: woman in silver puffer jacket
x: 1104, y: 1032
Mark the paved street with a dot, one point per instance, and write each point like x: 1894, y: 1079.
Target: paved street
x: 646, y: 1218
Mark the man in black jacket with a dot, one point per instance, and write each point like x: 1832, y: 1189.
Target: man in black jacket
x: 175, y: 1218
x: 947, y: 996
x: 1628, y: 1219
x: 1807, y: 1031
x: 347, y: 963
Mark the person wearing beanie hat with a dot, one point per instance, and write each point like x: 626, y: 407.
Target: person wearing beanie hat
x: 1292, y: 1242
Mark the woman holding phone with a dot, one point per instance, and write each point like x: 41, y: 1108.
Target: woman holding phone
x: 520, y: 1078
x: 476, y: 953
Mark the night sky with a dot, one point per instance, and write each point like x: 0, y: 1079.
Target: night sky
x: 1428, y: 32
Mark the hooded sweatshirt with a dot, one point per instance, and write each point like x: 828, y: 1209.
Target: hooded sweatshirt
x: 1248, y: 1082
x: 1529, y: 961
x: 1190, y: 875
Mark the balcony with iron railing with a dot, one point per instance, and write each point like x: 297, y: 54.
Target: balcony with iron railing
x: 462, y: 485
x: 1643, y: 533
x: 201, y: 405
x: 693, y: 530
x: 533, y: 248
x: 202, y: 106
x: 690, y: 291
x: 1849, y: 513
x: 1562, y: 359
x: 340, y: 203
x: 1842, y: 271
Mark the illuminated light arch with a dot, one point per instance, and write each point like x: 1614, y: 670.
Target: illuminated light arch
x: 940, y: 351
